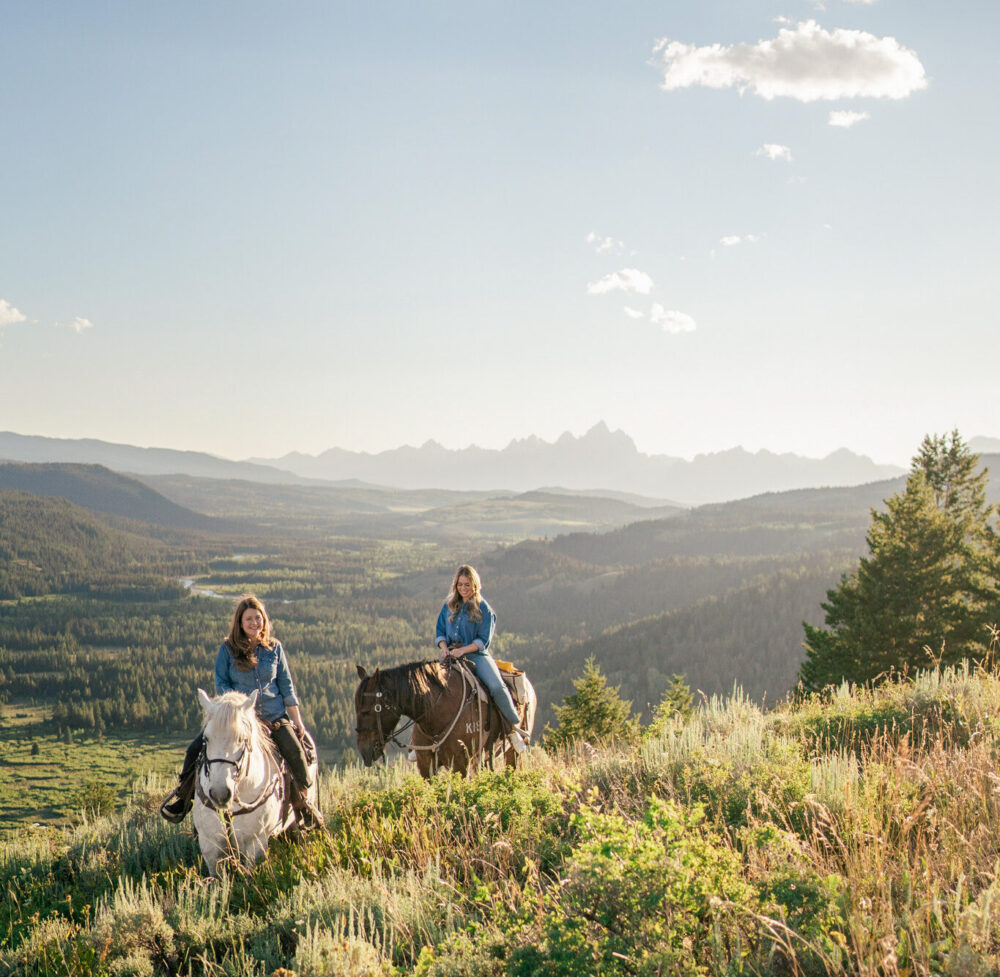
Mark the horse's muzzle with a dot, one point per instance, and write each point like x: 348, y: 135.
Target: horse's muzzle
x: 220, y: 797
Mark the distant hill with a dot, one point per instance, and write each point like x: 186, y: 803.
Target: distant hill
x: 410, y: 513
x: 985, y: 446
x: 50, y: 545
x: 534, y: 514
x: 751, y: 634
x: 599, y: 460
x: 101, y: 490
x: 128, y: 458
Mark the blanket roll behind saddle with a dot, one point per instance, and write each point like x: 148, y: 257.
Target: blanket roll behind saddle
x: 514, y: 677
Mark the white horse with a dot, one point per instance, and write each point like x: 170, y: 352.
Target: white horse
x: 240, y: 801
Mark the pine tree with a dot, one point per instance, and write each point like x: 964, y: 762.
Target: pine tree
x: 594, y: 712
x: 931, y: 579
x: 677, y: 701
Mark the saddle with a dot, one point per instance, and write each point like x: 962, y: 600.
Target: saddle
x: 512, y: 676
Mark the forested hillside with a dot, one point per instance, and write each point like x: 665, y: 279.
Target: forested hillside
x: 101, y: 490
x: 53, y: 546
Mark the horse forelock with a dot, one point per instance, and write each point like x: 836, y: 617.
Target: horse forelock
x: 232, y: 723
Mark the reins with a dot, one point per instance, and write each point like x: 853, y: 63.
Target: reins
x: 467, y: 685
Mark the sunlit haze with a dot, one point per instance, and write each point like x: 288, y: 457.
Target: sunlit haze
x: 253, y: 228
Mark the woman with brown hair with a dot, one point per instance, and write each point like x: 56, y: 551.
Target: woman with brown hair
x: 252, y: 660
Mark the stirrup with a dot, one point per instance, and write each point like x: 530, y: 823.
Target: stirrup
x: 518, y: 741
x: 174, y: 816
x: 309, y: 816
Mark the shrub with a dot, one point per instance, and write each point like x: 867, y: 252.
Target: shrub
x: 637, y: 898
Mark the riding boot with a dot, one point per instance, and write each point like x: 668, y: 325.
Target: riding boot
x: 307, y: 813
x: 290, y: 747
x: 178, y: 802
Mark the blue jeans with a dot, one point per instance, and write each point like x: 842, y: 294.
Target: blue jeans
x: 488, y: 673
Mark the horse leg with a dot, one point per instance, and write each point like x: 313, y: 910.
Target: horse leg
x: 212, y: 838
x: 252, y: 849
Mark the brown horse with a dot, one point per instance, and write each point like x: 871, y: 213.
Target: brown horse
x: 452, y: 726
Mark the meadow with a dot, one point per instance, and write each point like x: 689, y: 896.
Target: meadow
x: 852, y: 833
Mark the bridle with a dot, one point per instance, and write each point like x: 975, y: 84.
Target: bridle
x: 275, y: 784
x: 206, y: 762
x: 378, y: 708
x: 379, y: 695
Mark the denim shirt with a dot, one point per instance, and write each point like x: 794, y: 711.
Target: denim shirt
x: 271, y: 678
x: 463, y: 630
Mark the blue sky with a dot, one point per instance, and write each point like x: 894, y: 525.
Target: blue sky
x: 251, y: 228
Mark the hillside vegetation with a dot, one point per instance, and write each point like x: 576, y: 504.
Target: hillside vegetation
x: 101, y: 490
x: 856, y: 833
x: 49, y: 545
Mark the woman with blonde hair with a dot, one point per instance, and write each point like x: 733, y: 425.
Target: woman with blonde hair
x: 465, y: 629
x: 251, y: 659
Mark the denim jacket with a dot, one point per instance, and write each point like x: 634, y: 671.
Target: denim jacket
x: 463, y: 630
x: 271, y: 678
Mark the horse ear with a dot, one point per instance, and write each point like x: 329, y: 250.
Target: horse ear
x: 362, y: 674
x: 206, y: 702
x: 251, y: 701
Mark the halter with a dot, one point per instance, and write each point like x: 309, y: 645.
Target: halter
x: 383, y: 739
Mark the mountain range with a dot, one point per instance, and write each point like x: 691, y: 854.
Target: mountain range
x: 600, y: 460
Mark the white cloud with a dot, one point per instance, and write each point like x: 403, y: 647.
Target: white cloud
x: 627, y: 280
x: 605, y: 245
x: 806, y: 63
x: 774, y: 151
x: 731, y: 240
x: 846, y: 119
x: 9, y: 316
x: 634, y: 313
x: 671, y: 320
x: 78, y: 324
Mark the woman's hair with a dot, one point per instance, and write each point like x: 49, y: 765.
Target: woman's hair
x: 245, y: 652
x: 455, y: 601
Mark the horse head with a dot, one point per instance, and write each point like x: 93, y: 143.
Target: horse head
x: 231, y: 733
x: 377, y: 711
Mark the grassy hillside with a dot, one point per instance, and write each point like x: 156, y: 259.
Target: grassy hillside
x: 859, y: 834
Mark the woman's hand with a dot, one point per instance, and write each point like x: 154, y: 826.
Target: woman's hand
x: 295, y: 715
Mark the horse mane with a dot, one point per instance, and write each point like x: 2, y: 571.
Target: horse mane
x: 417, y: 678
x: 228, y: 714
